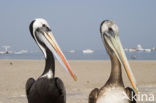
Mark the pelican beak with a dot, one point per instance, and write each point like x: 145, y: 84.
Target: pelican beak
x: 114, y: 42
x: 58, y: 53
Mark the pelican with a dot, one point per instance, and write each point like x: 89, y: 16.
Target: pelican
x: 47, y: 88
x: 114, y: 91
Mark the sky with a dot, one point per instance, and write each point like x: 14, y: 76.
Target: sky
x: 76, y: 23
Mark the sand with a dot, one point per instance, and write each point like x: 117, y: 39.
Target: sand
x: 91, y: 74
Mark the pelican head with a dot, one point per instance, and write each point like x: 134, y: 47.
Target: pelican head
x: 110, y: 36
x: 41, y: 33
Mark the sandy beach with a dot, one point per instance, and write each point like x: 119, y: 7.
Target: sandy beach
x: 91, y: 74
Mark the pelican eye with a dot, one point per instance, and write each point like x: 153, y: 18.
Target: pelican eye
x: 110, y: 29
x: 46, y: 27
x: 111, y: 32
x: 43, y: 25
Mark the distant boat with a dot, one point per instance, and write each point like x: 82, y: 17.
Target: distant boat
x: 72, y: 51
x: 139, y: 48
x: 126, y: 49
x: 2, y: 52
x: 88, y: 51
x: 153, y: 49
x: 21, y: 52
x: 132, y: 50
x: 6, y: 50
x: 147, y: 50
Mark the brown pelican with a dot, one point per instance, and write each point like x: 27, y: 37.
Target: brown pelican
x: 114, y: 91
x: 47, y: 88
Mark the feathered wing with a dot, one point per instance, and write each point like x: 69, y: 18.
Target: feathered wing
x: 131, y: 94
x: 28, y: 85
x: 61, y: 88
x: 93, y: 95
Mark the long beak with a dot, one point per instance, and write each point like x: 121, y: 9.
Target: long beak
x: 58, y: 53
x: 115, y: 44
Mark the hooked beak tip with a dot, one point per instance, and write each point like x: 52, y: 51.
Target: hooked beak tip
x: 136, y: 90
x: 75, y: 78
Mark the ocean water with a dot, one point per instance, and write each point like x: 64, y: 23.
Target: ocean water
x: 79, y: 55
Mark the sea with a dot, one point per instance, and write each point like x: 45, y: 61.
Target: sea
x: 79, y: 55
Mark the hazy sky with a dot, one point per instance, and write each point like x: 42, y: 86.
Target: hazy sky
x: 75, y: 23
